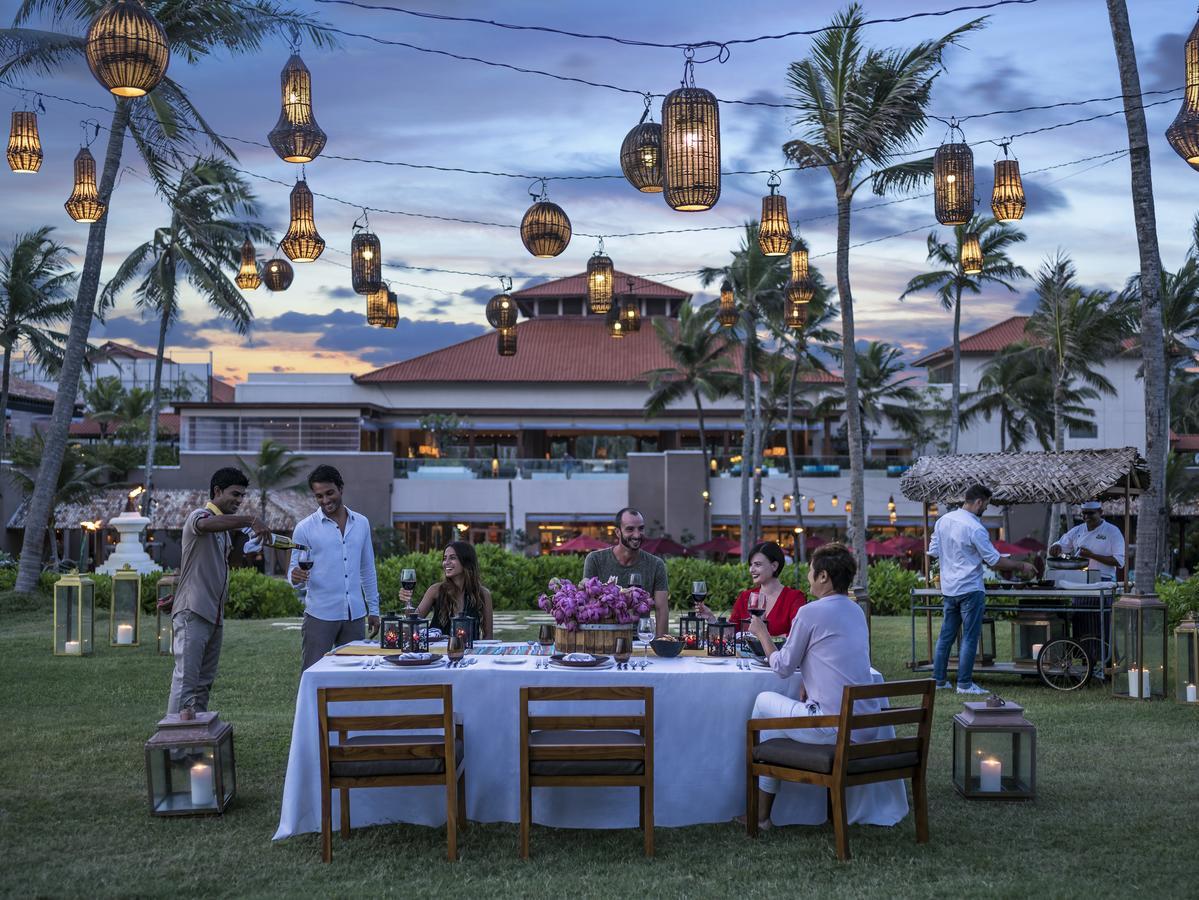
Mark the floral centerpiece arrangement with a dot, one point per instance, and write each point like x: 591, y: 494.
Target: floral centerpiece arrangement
x: 593, y: 602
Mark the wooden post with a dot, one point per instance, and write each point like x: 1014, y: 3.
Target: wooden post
x: 1127, y: 524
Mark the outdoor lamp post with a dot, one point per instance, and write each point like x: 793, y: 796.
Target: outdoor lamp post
x: 464, y: 628
x: 389, y: 631
x: 1186, y: 659
x: 165, y: 595
x: 722, y: 637
x: 994, y: 752
x: 124, y: 618
x: 189, y: 765
x: 691, y: 631
x: 414, y: 633
x: 74, y: 615
x: 1140, y: 642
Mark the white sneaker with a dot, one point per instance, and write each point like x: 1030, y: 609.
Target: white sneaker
x: 943, y: 685
x: 972, y: 689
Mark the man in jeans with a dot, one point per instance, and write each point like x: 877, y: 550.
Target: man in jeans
x: 961, y: 543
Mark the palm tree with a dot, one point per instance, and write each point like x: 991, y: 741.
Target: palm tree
x: 700, y: 367
x: 199, y: 242
x: 164, y: 125
x: 884, y: 391
x: 134, y: 409
x: 860, y: 108
x: 35, y: 288
x: 949, y: 282
x: 103, y: 402
x: 275, y: 467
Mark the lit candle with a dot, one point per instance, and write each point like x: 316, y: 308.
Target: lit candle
x: 201, y: 781
x: 71, y: 647
x: 124, y: 634
x: 1036, y: 650
x: 990, y: 778
x: 1191, y: 698
x: 1146, y: 692
x: 1134, y: 682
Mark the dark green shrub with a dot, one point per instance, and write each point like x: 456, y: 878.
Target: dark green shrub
x: 1181, y: 597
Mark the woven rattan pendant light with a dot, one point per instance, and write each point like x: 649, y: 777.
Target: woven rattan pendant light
x: 630, y: 310
x: 393, y: 310
x: 797, y: 315
x: 126, y: 48
x: 248, y: 278
x: 302, y: 243
x: 953, y: 181
x: 600, y: 277
x: 296, y: 137
x: 727, y: 313
x: 366, y: 258
x: 614, y: 322
x: 376, y: 307
x: 1183, y: 133
x: 690, y: 146
x: 24, y: 143
x: 1007, y: 196
x: 972, y: 254
x: 505, y: 342
x: 641, y: 154
x: 84, y: 203
x: 501, y: 311
x: 545, y: 228
x: 799, y: 287
x: 774, y: 231
x: 277, y: 274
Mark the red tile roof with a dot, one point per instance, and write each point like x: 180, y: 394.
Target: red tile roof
x: 19, y: 387
x: 221, y: 391
x: 989, y: 340
x: 109, y: 349
x: 1184, y: 442
x: 576, y: 286
x: 167, y: 423
x: 570, y: 349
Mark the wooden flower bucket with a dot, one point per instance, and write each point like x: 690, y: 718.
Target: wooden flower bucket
x: 598, y: 638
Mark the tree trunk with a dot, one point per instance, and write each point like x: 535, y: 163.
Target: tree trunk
x: 4, y: 405
x: 1150, y: 521
x: 1007, y: 507
x: 955, y: 403
x: 156, y: 396
x: 849, y: 366
x: 703, y: 446
x: 757, y: 460
x: 42, y: 500
x: 1057, y: 510
x: 746, y: 424
x: 797, y: 505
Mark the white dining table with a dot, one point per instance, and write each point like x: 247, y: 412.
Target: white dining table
x: 700, y: 712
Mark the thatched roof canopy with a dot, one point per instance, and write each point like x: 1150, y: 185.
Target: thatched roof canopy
x: 1068, y: 477
x: 284, y: 508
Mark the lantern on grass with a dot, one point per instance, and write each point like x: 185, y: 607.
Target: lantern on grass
x: 692, y: 631
x: 125, y: 613
x: 1031, y: 632
x: 1186, y: 660
x: 366, y: 261
x: 414, y: 633
x: 953, y: 181
x: 1007, y: 194
x: 126, y: 48
x: 545, y: 229
x: 84, y: 204
x: 278, y: 274
x: 506, y: 342
x: 690, y: 146
x: 24, y: 143
x: 1140, y: 647
x: 727, y: 313
x: 1183, y: 133
x: 641, y: 154
x: 296, y: 137
x: 248, y: 278
x: 189, y: 765
x: 614, y: 322
x: 465, y: 628
x: 165, y: 595
x: 389, y: 632
x: 302, y: 243
x: 722, y: 637
x: 74, y: 615
x: 972, y: 254
x: 601, y: 276
x: 994, y: 752
x: 774, y: 229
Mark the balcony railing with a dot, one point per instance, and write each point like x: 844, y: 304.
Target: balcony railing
x: 818, y: 466
x: 452, y: 468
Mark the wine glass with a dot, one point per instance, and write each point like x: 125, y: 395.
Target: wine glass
x: 635, y: 580
x: 454, y: 649
x: 408, y: 583
x: 646, y: 631
x: 699, y: 592
x: 304, y: 561
x: 622, y: 651
x: 756, y: 607
x: 545, y: 638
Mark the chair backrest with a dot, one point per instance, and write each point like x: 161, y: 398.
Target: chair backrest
x: 387, y: 722
x: 919, y: 715
x: 643, y: 722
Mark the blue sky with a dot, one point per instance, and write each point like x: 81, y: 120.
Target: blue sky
x: 397, y: 104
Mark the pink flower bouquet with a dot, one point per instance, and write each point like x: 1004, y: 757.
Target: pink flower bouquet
x: 592, y: 602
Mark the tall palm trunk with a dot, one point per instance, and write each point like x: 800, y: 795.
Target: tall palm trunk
x: 1151, y: 520
x: 4, y: 385
x: 156, y: 396
x: 1057, y: 510
x: 853, y: 410
x: 747, y: 419
x: 758, y: 459
x: 802, y: 541
x: 955, y: 403
x: 42, y: 501
x: 703, y: 446
x: 1007, y: 507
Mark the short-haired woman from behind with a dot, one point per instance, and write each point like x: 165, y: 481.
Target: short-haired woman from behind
x: 460, y: 591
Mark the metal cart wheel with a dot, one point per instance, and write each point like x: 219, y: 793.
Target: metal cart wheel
x: 1098, y: 651
x: 1064, y: 665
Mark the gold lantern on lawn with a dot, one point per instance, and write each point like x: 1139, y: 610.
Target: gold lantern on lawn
x: 690, y: 146
x: 124, y: 619
x: 1183, y: 133
x: 296, y: 137
x: 302, y: 243
x: 248, y: 278
x: 727, y: 313
x: 126, y: 48
x: 545, y: 228
x: 774, y: 230
x: 24, y: 143
x: 277, y: 274
x: 189, y: 765
x: 601, y: 275
x: 74, y: 615
x: 641, y: 154
x: 366, y: 260
x: 953, y: 182
x: 972, y: 254
x: 506, y: 342
x: 164, y: 592
x: 84, y: 204
x: 1140, y: 643
x: 1007, y: 194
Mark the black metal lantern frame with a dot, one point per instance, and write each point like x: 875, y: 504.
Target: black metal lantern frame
x: 366, y: 258
x: 545, y: 228
x: 465, y: 628
x: 126, y: 48
x: 690, y: 145
x: 1183, y: 133
x: 953, y: 180
x: 692, y: 631
x: 24, y: 143
x: 994, y: 752
x: 1007, y: 194
x: 721, y: 637
x: 189, y: 766
x: 390, y: 634
x: 414, y: 634
x: 296, y: 137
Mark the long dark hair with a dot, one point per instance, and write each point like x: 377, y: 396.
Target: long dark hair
x: 472, y: 587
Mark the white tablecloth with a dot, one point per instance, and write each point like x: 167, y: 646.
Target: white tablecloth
x: 699, y: 750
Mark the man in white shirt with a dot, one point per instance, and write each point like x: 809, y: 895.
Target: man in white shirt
x: 343, y: 589
x: 961, y: 543
x: 1096, y: 540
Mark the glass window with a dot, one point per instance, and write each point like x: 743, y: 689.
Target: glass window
x: 940, y: 375
x: 572, y: 307
x: 1084, y: 430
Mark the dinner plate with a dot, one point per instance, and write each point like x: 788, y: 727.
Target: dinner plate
x: 510, y: 660
x: 608, y: 664
x: 711, y: 660
x: 416, y: 663
x: 598, y: 660
x: 348, y: 660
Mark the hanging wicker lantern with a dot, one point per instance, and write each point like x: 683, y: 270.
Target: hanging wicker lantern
x: 126, y: 48
x: 797, y: 315
x: 600, y: 277
x: 774, y: 231
x: 615, y: 322
x: 690, y: 147
x: 1183, y: 133
x: 972, y: 254
x: 376, y: 307
x: 799, y: 288
x: 296, y: 137
x: 1007, y: 196
x: 545, y: 228
x: 505, y: 341
x: 501, y: 311
x: 277, y: 273
x: 24, y: 143
x: 630, y: 314
x: 393, y: 310
x: 641, y: 154
x: 302, y: 243
x: 248, y: 278
x: 366, y: 262
x: 953, y: 183
x: 84, y: 203
x: 727, y: 314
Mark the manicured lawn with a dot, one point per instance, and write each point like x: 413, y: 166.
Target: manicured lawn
x: 1115, y: 817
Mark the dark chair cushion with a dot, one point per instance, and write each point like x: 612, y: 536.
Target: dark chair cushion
x: 819, y: 757
x: 368, y: 767
x: 586, y: 766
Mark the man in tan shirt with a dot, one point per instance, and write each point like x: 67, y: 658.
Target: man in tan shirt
x: 198, y: 611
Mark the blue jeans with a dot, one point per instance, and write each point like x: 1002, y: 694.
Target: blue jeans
x: 964, y: 612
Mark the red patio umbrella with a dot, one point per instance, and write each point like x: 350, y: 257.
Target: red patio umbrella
x: 584, y: 543
x: 1011, y: 549
x: 881, y: 548
x: 717, y: 545
x: 812, y: 541
x: 902, y: 545
x: 663, y: 546
x: 1030, y: 543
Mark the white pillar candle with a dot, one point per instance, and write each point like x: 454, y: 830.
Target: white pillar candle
x: 124, y: 634
x: 201, y: 781
x: 990, y: 779
x: 1191, y: 698
x: 71, y: 647
x: 1134, y: 682
x: 1036, y: 650
x: 1146, y: 691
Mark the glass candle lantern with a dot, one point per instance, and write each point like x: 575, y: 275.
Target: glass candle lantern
x: 994, y: 752
x: 465, y: 628
x: 1030, y: 633
x: 414, y: 634
x: 165, y: 593
x: 692, y: 630
x: 722, y: 637
x: 985, y: 653
x: 74, y: 615
x: 389, y: 632
x: 1186, y: 660
x: 189, y: 766
x: 1140, y: 640
x: 124, y: 616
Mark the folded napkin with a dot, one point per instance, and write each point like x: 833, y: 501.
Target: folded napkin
x: 578, y: 657
x: 416, y: 655
x: 434, y: 634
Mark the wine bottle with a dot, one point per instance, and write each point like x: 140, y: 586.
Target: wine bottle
x: 277, y: 541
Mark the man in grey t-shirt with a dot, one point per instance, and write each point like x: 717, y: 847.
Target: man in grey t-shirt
x: 627, y: 558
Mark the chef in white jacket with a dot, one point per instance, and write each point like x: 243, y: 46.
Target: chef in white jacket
x: 1095, y: 540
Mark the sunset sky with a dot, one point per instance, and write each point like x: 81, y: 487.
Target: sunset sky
x: 404, y: 106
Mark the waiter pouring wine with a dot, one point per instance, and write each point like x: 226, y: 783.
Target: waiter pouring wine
x: 1095, y: 540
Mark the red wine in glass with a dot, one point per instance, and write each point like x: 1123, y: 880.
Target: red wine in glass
x: 756, y: 608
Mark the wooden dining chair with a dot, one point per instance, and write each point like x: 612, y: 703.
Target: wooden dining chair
x: 389, y: 755
x: 844, y: 764
x: 587, y: 751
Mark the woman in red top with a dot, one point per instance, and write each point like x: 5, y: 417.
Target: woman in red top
x: 781, y: 603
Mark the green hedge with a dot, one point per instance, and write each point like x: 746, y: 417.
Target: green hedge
x: 1180, y: 597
